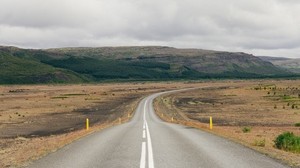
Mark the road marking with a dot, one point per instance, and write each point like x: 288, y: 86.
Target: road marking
x: 150, y: 153
x: 149, y: 143
x: 144, y: 134
x: 143, y: 156
x: 145, y: 110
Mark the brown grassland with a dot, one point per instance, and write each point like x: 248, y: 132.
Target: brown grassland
x: 39, y: 119
x: 252, y: 113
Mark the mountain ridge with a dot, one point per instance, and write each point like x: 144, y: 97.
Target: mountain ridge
x: 94, y: 64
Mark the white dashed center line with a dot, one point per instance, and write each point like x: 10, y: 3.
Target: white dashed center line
x: 146, y: 132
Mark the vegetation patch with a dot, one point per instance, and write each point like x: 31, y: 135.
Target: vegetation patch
x: 59, y: 97
x: 288, y: 141
x: 260, y: 143
x: 287, y: 97
x: 246, y: 129
x: 229, y: 95
x: 74, y: 94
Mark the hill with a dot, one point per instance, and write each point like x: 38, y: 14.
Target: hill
x: 22, y: 70
x: 210, y: 63
x: 75, y: 65
x: 290, y: 64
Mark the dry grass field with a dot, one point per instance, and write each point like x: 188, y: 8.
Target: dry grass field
x: 38, y: 119
x: 253, y: 113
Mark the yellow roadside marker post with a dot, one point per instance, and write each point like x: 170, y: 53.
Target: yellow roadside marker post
x: 210, y: 123
x: 87, y: 124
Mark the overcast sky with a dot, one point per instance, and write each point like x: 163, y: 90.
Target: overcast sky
x: 260, y: 27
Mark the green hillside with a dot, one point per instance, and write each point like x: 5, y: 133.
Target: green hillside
x: 76, y: 65
x: 206, y: 62
x: 16, y: 70
x: 116, y: 69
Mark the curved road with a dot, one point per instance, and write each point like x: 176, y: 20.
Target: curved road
x: 146, y: 141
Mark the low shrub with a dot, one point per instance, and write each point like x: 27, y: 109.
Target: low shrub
x: 297, y: 124
x: 260, y: 143
x: 288, y: 141
x: 246, y: 129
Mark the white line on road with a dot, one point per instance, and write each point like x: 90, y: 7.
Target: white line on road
x: 144, y: 134
x: 150, y: 153
x: 145, y: 110
x: 149, y: 143
x: 143, y: 156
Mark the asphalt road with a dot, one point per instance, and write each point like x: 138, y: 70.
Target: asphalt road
x: 146, y: 141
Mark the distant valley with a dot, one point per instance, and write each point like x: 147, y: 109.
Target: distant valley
x: 292, y: 65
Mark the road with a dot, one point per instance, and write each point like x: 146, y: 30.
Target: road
x: 146, y: 141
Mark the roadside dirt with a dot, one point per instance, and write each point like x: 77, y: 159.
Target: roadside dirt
x: 39, y: 119
x: 268, y: 108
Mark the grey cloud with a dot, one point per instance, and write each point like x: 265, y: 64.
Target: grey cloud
x: 40, y: 14
x: 259, y: 27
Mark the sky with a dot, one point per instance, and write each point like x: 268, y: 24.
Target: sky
x: 259, y: 27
